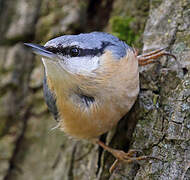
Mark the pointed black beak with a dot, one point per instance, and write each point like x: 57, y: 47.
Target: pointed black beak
x: 41, y: 50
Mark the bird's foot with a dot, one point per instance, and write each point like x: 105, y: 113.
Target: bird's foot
x: 128, y: 157
x: 149, y: 58
x: 122, y: 156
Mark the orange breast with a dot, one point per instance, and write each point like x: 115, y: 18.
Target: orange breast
x: 117, y: 86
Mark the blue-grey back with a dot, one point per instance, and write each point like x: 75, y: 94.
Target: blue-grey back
x: 50, y: 99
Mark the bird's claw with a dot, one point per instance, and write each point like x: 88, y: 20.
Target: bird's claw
x: 150, y: 57
x: 128, y: 157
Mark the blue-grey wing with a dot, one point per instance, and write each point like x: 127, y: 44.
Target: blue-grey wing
x: 50, y: 99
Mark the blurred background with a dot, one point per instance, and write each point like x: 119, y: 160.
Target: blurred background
x: 30, y: 150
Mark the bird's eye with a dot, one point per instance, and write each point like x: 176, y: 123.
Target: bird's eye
x: 74, y: 51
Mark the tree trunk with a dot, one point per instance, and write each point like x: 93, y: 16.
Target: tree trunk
x: 158, y: 125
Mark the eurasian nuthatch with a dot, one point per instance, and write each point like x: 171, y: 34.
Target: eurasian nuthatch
x: 91, y: 81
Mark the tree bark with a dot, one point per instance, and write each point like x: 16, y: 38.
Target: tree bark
x: 163, y: 128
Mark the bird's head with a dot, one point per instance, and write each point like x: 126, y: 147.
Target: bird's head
x: 84, y: 57
x: 80, y: 54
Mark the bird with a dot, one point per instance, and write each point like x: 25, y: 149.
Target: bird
x: 91, y: 80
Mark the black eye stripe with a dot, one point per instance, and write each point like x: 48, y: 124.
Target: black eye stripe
x: 66, y: 51
x: 92, y: 52
x: 83, y: 52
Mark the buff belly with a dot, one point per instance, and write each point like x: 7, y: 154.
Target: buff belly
x: 88, y: 123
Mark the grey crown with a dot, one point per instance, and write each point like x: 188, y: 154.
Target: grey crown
x: 92, y: 40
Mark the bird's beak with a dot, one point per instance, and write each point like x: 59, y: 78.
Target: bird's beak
x: 41, y: 50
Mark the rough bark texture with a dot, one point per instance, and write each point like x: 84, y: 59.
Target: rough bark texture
x: 158, y: 124
x: 163, y: 128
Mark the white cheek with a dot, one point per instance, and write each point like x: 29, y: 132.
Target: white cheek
x: 51, y: 67
x: 81, y: 64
